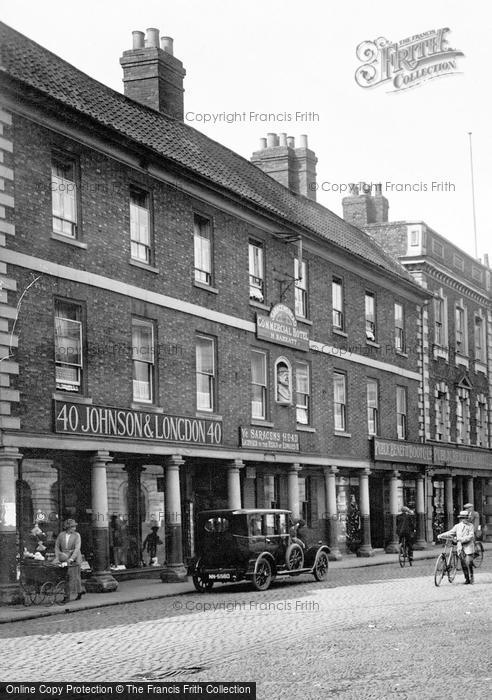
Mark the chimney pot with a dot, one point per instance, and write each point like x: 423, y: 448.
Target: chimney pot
x: 282, y: 139
x: 152, y: 38
x: 291, y: 142
x: 263, y: 143
x: 167, y: 44
x: 138, y: 40
x: 353, y: 189
x: 303, y: 141
x: 272, y: 140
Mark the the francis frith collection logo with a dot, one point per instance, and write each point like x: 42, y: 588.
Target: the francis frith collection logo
x: 408, y: 62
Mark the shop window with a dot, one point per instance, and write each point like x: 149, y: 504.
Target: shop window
x: 143, y: 360
x: 202, y: 235
x: 64, y: 197
x: 140, y: 225
x: 68, y: 346
x: 305, y: 499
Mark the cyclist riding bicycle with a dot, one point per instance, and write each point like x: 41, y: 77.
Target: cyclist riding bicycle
x: 463, y: 532
x: 405, y: 529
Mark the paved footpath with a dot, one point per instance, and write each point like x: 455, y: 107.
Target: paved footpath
x: 368, y: 632
x: 148, y: 589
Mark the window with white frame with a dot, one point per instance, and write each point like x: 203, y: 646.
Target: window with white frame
x: 258, y: 385
x: 68, y: 346
x: 256, y: 271
x: 140, y: 244
x: 370, y: 304
x: 372, y: 407
x: 340, y: 401
x: 302, y: 393
x: 440, y: 338
x: 143, y: 360
x: 64, y: 196
x: 202, y: 235
x: 400, y: 343
x: 482, y: 421
x: 337, y: 304
x: 205, y: 373
x: 463, y: 416
x: 460, y: 330
x: 441, y: 407
x: 301, y: 288
x: 480, y: 339
x: 401, y: 412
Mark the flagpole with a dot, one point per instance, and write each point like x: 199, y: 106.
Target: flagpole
x: 473, y: 196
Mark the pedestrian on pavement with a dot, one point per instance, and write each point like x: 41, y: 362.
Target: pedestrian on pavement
x: 67, y: 549
x: 150, y: 544
x: 473, y: 517
x: 464, y: 533
x: 405, y: 528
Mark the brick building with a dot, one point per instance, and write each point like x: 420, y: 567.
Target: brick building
x: 456, y: 398
x: 181, y: 331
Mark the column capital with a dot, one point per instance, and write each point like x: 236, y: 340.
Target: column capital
x: 330, y: 471
x: 235, y: 464
x: 175, y: 461
x: 9, y: 455
x: 365, y: 472
x: 395, y: 474
x: 101, y: 458
x: 295, y: 467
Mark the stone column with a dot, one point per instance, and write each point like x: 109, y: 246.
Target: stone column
x: 448, y: 501
x: 9, y: 459
x: 234, y: 483
x: 393, y: 546
x: 470, y: 496
x: 459, y: 492
x: 365, y: 550
x: 293, y: 489
x: 420, y: 542
x: 331, y: 517
x: 175, y: 570
x: 101, y: 579
x: 487, y: 511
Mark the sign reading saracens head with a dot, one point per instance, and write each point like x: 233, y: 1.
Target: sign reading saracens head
x: 280, y: 327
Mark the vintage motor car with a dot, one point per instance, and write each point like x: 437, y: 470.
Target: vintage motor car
x: 254, y: 545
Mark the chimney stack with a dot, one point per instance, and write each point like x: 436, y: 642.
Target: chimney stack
x: 293, y: 167
x: 365, y: 205
x: 152, y: 75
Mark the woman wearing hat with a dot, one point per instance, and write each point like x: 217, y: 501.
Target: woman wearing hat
x: 67, y: 549
x: 464, y: 532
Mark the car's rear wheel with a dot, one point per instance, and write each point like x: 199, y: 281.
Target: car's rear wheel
x: 263, y: 576
x: 202, y: 583
x: 294, y: 557
x: 321, y: 567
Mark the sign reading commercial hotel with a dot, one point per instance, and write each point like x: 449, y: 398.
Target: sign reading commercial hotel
x: 280, y: 327
x: 260, y: 439
x: 80, y: 419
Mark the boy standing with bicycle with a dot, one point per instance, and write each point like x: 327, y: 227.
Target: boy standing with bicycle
x: 464, y: 533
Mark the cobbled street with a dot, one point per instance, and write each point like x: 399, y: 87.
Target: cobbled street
x: 371, y: 632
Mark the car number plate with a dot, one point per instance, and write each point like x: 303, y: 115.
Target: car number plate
x: 221, y: 577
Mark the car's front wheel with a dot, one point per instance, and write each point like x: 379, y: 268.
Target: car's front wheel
x: 202, y: 583
x: 263, y: 576
x: 320, y: 570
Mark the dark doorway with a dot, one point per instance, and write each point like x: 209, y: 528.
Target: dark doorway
x: 376, y: 505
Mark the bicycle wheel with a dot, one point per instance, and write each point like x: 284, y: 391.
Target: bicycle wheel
x: 439, y: 569
x: 452, y: 567
x: 403, y: 554
x: 478, y: 555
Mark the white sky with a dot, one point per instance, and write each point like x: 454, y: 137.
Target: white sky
x: 287, y: 56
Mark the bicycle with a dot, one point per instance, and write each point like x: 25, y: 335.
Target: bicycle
x: 478, y: 554
x: 403, y: 554
x: 447, y: 562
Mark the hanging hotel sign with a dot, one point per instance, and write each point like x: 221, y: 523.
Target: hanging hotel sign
x: 260, y: 439
x: 396, y: 451
x: 280, y: 327
x: 81, y: 419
